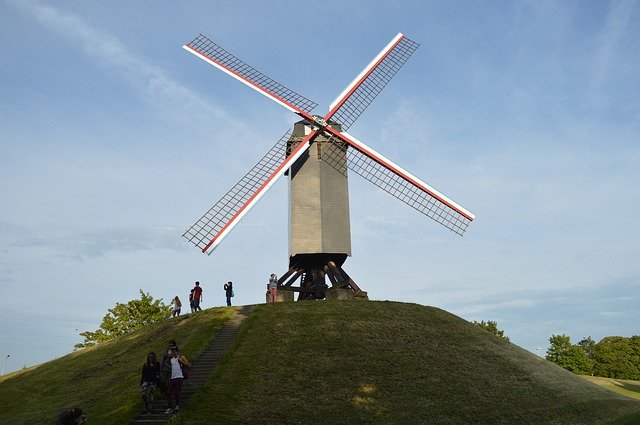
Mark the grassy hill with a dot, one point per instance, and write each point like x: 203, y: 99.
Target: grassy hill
x: 330, y: 362
x: 103, y: 380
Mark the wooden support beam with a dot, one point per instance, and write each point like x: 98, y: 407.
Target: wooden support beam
x: 292, y: 279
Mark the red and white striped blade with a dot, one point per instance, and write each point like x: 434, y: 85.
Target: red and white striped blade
x: 215, y: 55
x: 357, y: 96
x: 398, y: 182
x: 209, y: 231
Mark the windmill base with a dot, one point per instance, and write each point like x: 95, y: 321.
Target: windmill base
x: 311, y: 272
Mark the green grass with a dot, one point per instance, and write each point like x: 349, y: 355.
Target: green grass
x: 365, y: 362
x: 103, y: 380
x: 327, y: 362
x: 622, y: 386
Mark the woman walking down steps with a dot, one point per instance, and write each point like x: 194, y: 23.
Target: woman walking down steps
x: 201, y: 368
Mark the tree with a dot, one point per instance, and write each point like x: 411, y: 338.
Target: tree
x: 617, y: 357
x: 588, y: 345
x: 492, y: 327
x: 571, y: 357
x: 126, y: 318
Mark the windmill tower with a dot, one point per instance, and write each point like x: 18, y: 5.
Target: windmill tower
x: 319, y: 228
x: 316, y: 155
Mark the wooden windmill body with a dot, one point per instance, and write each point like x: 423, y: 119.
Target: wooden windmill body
x: 319, y: 224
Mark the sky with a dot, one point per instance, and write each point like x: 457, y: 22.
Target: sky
x: 114, y: 140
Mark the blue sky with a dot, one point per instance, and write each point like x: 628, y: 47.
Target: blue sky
x: 114, y: 140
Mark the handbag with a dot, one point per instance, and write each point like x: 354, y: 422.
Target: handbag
x: 186, y: 371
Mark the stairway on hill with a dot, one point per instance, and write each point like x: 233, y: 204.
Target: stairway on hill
x: 201, y: 368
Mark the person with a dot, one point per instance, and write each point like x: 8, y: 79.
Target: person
x: 191, y: 302
x: 175, y: 383
x: 72, y: 417
x: 197, y: 296
x: 228, y: 291
x: 177, y: 306
x: 149, y: 380
x: 165, y: 368
x: 273, y: 287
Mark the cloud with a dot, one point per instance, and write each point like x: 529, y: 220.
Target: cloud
x: 405, y: 128
x: 148, y: 80
x: 70, y: 245
x: 382, y: 220
x: 609, y: 47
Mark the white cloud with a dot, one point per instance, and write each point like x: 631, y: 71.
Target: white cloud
x: 609, y: 47
x: 149, y: 81
x: 382, y: 220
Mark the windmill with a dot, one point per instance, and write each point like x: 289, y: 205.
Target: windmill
x: 317, y: 155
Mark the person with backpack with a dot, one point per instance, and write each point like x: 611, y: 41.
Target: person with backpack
x: 192, y: 302
x: 197, y: 296
x: 179, y: 372
x: 228, y: 291
x: 149, y: 380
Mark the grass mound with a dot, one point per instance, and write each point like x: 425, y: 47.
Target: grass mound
x: 103, y: 380
x: 384, y: 362
x: 346, y: 362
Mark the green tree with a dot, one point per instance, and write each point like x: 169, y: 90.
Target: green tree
x: 588, y: 345
x: 618, y: 357
x: 492, y: 327
x: 125, y: 318
x: 569, y: 356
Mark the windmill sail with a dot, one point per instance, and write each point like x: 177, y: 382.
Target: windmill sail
x: 215, y: 55
x: 357, y: 96
x: 217, y: 223
x: 398, y: 182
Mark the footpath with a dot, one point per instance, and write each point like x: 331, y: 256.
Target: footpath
x: 201, y: 368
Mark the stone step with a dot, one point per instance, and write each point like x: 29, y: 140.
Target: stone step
x: 200, y: 370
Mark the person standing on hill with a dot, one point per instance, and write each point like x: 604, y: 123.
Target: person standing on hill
x: 149, y: 380
x: 228, y: 291
x: 273, y: 287
x: 197, y: 297
x: 177, y: 306
x: 191, y: 302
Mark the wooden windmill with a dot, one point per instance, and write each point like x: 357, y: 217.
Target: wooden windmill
x: 316, y: 155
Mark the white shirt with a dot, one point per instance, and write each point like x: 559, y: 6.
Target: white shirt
x: 176, y: 370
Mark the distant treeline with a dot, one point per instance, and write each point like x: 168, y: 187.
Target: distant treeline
x: 611, y: 357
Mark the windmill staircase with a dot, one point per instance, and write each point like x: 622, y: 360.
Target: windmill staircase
x: 201, y: 368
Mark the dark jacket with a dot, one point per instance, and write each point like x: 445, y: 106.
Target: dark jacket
x: 150, y: 372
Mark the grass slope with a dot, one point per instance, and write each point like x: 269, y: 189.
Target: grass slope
x: 103, y: 379
x: 622, y: 386
x: 365, y: 362
x: 323, y: 362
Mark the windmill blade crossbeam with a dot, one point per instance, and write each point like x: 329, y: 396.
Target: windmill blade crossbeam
x: 211, y: 224
x: 217, y: 56
x: 396, y: 185
x: 352, y: 102
x: 408, y: 193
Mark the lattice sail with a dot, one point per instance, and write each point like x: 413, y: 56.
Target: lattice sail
x: 213, y: 221
x: 365, y: 87
x: 428, y: 202
x: 220, y: 58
